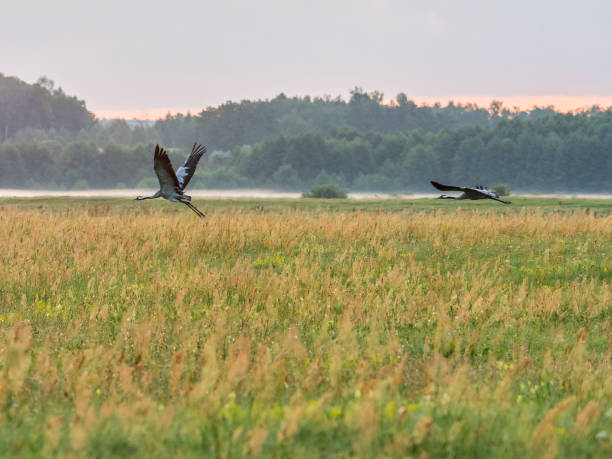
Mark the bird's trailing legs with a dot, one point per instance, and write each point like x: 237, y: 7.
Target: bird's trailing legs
x: 194, y: 208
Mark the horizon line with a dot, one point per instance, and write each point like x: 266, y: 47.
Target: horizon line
x: 560, y: 103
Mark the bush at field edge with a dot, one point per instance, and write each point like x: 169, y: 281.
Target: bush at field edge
x: 325, y: 192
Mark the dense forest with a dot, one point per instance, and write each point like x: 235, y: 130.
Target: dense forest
x: 50, y: 140
x: 39, y: 106
x: 246, y: 123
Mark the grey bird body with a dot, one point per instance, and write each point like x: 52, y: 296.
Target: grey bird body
x: 172, y: 184
x: 474, y: 193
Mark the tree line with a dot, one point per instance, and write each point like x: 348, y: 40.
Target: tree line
x: 248, y: 122
x: 560, y: 152
x: 43, y: 112
x: 49, y: 140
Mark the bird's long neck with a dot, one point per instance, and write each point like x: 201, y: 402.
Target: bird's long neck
x: 156, y: 195
x: 445, y: 196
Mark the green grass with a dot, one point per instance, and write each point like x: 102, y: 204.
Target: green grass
x: 305, y: 328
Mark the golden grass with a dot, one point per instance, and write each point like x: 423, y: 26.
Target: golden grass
x: 294, y: 333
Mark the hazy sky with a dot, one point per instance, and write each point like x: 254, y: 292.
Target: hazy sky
x: 147, y: 55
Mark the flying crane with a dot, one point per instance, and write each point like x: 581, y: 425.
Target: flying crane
x: 476, y: 192
x: 171, y: 184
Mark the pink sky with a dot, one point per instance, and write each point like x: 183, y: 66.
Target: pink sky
x: 181, y: 56
x: 560, y: 102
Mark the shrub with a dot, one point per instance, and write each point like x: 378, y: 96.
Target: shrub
x: 326, y: 192
x: 502, y: 189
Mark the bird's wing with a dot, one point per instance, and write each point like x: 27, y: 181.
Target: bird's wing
x: 163, y: 168
x: 185, y: 172
x: 481, y: 193
x: 441, y: 187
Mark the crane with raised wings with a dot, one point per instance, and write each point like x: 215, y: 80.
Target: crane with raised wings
x: 172, y: 184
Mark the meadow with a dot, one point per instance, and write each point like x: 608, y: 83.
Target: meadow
x: 305, y: 328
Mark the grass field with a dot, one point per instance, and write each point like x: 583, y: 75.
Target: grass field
x: 306, y: 328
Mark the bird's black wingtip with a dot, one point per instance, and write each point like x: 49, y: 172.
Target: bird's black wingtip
x: 198, y: 149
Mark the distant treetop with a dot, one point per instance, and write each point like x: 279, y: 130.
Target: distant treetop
x: 40, y: 106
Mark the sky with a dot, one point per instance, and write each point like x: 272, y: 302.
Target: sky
x: 142, y: 59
